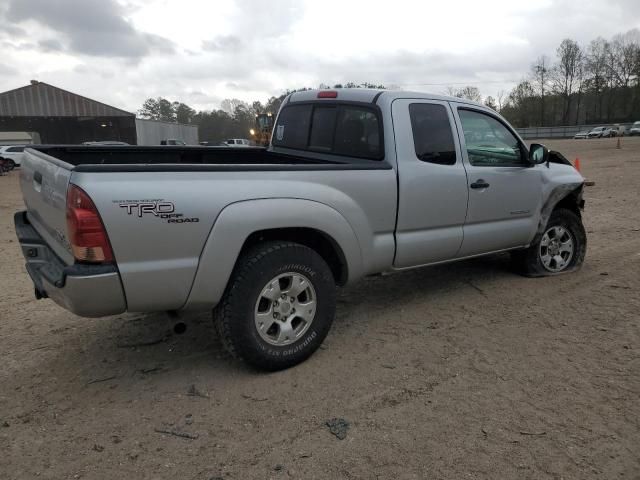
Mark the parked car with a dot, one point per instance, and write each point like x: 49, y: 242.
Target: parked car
x: 596, y: 132
x: 12, y: 154
x: 635, y: 129
x: 377, y: 181
x: 212, y: 143
x: 238, y: 142
x: 583, y: 134
x: 620, y: 130
x: 173, y: 141
x: 610, y: 132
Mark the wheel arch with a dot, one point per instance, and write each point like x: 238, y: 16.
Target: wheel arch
x: 572, y: 201
x: 322, y: 243
x: 567, y: 196
x: 243, y: 224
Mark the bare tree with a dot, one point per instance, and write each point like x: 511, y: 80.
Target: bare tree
x: 468, y: 92
x: 565, y: 73
x: 500, y: 96
x: 230, y: 105
x: 596, y: 71
x: 624, y: 52
x: 540, y: 80
x: 451, y: 91
x: 491, y: 103
x: 581, y: 85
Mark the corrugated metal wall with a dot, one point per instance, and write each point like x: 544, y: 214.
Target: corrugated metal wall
x: 44, y: 100
x: 152, y: 132
x: 64, y: 117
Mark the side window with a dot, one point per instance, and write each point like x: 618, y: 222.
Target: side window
x: 292, y: 129
x: 432, y: 136
x: 357, y: 133
x: 489, y: 143
x: 231, y: 142
x: 15, y: 149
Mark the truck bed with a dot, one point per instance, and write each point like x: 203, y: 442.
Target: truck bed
x: 196, y: 158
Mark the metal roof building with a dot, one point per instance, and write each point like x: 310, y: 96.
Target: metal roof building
x: 59, y: 116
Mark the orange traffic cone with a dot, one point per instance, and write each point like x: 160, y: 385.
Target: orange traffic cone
x: 576, y: 164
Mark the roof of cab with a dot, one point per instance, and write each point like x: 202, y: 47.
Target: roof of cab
x: 368, y: 95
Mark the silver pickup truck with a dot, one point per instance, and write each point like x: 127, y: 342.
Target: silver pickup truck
x: 355, y: 182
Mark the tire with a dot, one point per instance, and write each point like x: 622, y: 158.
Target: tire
x: 548, y: 254
x: 11, y: 165
x: 246, y: 316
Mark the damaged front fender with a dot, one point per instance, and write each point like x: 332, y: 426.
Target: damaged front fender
x: 568, y: 195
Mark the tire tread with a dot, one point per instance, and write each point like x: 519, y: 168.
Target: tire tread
x: 223, y: 313
x: 526, y: 261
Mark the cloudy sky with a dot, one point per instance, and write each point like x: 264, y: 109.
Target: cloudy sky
x: 202, y: 51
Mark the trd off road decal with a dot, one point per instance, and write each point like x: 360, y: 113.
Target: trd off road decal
x: 158, y: 208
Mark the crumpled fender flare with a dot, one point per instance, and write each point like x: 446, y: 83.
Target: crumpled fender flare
x: 555, y: 197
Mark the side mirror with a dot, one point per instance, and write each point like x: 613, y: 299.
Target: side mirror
x: 538, y: 154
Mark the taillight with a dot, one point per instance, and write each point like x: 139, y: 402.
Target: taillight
x: 87, y: 235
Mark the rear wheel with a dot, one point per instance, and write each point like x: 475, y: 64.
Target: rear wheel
x: 278, y: 307
x: 11, y: 164
x: 561, y: 247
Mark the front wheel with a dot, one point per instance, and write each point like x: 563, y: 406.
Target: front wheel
x: 278, y: 307
x: 561, y: 248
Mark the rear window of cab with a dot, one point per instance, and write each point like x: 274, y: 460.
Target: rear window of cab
x: 338, y: 129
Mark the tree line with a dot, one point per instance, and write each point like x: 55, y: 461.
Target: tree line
x: 582, y: 84
x: 233, y: 119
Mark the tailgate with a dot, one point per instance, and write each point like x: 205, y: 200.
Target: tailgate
x: 44, y: 181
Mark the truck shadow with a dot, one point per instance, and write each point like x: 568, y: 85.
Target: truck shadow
x: 137, y: 352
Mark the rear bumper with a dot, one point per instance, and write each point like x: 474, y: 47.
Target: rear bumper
x: 86, y: 290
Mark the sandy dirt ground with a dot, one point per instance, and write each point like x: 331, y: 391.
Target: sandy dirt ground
x: 458, y: 371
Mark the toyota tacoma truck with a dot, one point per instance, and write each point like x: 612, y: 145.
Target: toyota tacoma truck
x: 354, y: 183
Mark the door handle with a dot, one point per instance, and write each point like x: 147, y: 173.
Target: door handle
x: 37, y: 177
x: 479, y: 184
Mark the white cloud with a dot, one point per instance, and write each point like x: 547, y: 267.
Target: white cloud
x: 200, y: 52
